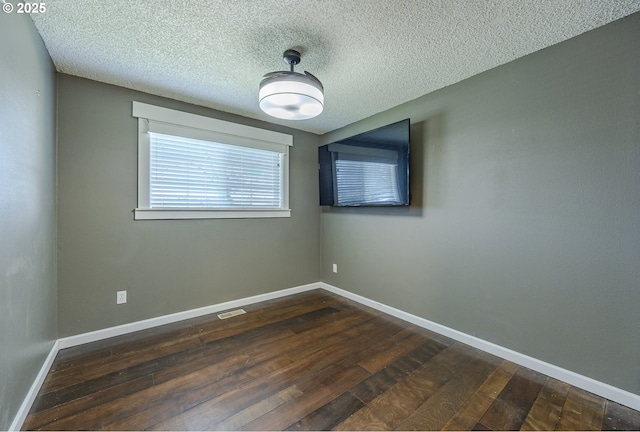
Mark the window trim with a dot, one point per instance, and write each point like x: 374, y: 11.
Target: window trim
x: 199, y: 127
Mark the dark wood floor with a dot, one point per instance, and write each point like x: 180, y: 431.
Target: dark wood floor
x: 313, y: 361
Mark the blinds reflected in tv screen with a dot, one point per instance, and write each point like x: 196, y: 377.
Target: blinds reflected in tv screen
x: 369, y: 169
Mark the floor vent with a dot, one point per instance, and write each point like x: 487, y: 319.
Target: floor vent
x: 230, y: 314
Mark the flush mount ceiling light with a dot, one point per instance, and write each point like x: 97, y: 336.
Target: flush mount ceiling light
x: 291, y: 95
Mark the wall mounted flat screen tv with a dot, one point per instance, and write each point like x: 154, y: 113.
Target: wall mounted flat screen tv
x: 368, y: 169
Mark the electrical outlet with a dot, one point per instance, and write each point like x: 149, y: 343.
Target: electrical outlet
x: 121, y: 297
x: 335, y: 268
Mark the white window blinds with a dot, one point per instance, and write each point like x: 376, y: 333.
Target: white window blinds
x: 196, y: 167
x: 191, y: 173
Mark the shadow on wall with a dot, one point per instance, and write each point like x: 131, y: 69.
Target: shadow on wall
x: 426, y: 137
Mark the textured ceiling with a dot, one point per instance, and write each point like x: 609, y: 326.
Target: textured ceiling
x: 370, y: 55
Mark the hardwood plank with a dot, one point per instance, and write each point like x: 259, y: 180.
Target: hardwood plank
x: 101, y: 383
x: 318, y: 391
x: 137, y: 355
x: 97, y: 417
x: 345, y: 346
x: 206, y: 356
x: 244, y: 335
x: 267, y: 345
x: 471, y: 413
x: 480, y: 427
x: 393, y: 406
x: 261, y: 316
x: 115, y: 376
x: 171, y: 403
x: 392, y: 349
x: 620, y: 417
x: 256, y: 410
x: 46, y: 419
x: 546, y: 410
x: 437, y: 410
x: 209, y: 410
x: 82, y: 354
x: 364, y: 419
x: 313, y: 342
x: 582, y: 410
x: 510, y: 408
x: 382, y: 380
x: 330, y: 414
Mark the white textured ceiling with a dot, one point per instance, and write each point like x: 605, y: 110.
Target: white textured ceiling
x: 370, y: 55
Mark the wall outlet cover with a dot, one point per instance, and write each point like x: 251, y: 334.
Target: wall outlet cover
x: 121, y: 297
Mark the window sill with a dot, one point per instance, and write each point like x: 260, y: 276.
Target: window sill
x: 151, y: 214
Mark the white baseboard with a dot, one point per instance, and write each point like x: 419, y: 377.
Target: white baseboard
x: 24, y: 409
x: 599, y: 388
x: 97, y: 335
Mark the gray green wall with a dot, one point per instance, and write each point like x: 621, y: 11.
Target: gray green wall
x: 166, y: 266
x: 525, y: 228
x: 27, y: 210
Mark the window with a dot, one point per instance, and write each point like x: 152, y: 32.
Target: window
x: 194, y: 167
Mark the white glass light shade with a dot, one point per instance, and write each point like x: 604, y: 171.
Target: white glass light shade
x: 291, y: 96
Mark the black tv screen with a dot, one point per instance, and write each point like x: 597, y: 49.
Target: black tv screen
x: 368, y: 169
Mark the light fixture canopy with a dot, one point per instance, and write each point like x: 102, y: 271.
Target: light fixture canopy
x: 291, y: 95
